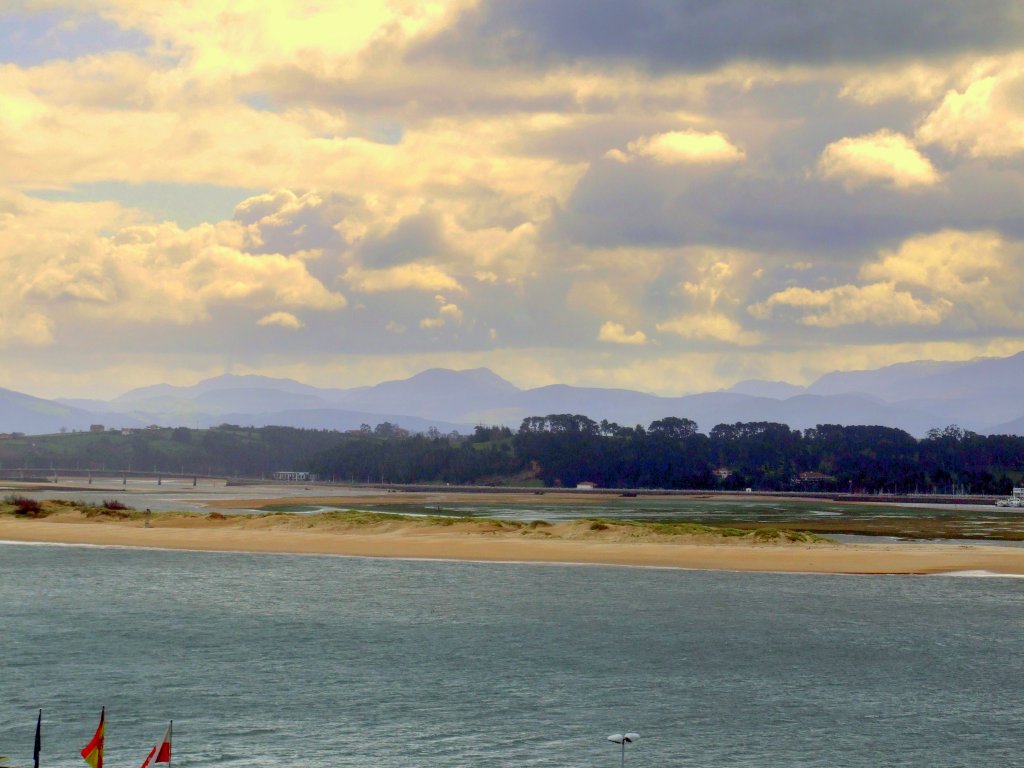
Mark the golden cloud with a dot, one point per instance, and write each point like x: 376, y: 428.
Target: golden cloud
x: 675, y: 147
x: 883, y: 156
x: 74, y: 260
x: 712, y: 326
x: 984, y: 119
x: 447, y: 313
x: 943, y: 277
x: 236, y: 37
x: 615, y: 333
x: 915, y: 81
x: 406, y: 277
x: 951, y: 262
x: 281, y: 319
x: 875, y: 304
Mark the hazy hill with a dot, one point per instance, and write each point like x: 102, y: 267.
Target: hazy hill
x: 227, y: 381
x: 777, y: 390
x: 34, y: 415
x: 893, y: 382
x: 436, y: 393
x: 982, y: 395
x: 1015, y: 427
x: 978, y: 394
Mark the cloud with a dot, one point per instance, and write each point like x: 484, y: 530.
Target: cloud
x: 177, y: 275
x: 947, y: 277
x: 33, y: 329
x: 677, y: 147
x: 951, y: 262
x: 915, y: 81
x: 406, y: 277
x: 883, y: 156
x: 413, y: 238
x: 447, y: 314
x: 985, y: 119
x: 615, y: 333
x: 690, y: 35
x: 156, y: 125
x: 85, y: 265
x: 233, y: 38
x: 280, y: 319
x: 705, y: 303
x: 282, y: 221
x: 708, y: 326
x: 367, y: 177
x: 875, y: 304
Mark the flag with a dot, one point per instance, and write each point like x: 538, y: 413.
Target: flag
x: 39, y: 741
x: 93, y: 752
x: 162, y: 751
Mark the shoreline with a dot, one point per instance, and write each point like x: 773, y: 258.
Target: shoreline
x: 492, y: 542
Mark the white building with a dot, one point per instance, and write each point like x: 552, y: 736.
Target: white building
x: 289, y: 476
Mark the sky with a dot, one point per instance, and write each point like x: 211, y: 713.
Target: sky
x: 662, y: 195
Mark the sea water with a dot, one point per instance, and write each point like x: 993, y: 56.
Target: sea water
x: 330, y: 661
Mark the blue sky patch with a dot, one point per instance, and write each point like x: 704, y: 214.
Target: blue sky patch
x: 187, y: 204
x: 29, y: 39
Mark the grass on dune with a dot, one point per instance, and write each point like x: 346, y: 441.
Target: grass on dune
x: 113, y: 510
x: 762, y: 535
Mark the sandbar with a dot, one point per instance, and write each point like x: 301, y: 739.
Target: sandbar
x: 571, y: 542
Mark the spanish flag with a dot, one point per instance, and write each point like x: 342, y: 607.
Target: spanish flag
x: 93, y: 752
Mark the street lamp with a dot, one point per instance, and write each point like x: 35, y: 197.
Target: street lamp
x: 624, y: 739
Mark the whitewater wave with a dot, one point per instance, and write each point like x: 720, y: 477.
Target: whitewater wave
x: 981, y: 575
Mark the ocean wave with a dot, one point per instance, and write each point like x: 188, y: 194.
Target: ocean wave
x: 980, y: 575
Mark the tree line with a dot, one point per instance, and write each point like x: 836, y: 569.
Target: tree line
x: 566, y: 449
x: 563, y: 450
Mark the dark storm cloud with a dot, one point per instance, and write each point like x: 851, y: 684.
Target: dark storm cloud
x: 414, y: 238
x: 698, y: 35
x: 648, y: 205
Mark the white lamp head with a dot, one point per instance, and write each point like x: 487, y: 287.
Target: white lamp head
x: 628, y: 738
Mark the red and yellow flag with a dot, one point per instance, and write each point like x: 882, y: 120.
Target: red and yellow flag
x: 93, y: 752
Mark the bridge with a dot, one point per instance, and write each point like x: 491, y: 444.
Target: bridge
x: 59, y: 474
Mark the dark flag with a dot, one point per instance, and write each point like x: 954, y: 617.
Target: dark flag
x: 39, y: 741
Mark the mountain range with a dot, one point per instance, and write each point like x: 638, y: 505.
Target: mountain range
x: 982, y: 395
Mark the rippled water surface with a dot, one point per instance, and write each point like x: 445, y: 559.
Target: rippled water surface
x: 316, y: 661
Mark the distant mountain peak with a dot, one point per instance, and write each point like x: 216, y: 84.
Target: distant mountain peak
x: 214, y: 384
x: 777, y: 390
x: 977, y: 394
x: 479, y: 376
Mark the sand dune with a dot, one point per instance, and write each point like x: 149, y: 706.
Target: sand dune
x: 572, y: 542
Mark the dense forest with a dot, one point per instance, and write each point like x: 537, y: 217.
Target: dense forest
x: 562, y: 450
x: 565, y: 449
x: 227, y: 450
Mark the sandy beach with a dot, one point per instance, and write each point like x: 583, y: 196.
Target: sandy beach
x: 575, y: 542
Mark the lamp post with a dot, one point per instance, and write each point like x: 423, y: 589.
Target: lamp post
x: 624, y: 739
